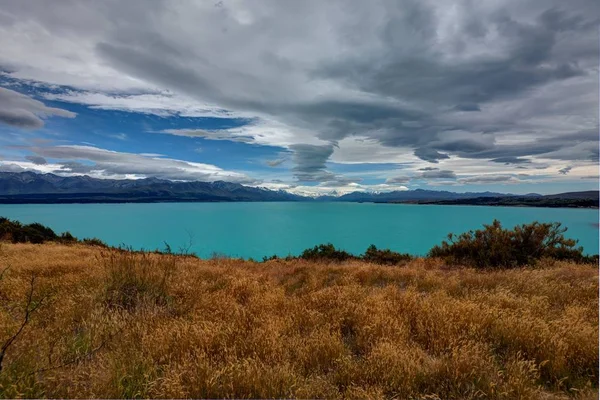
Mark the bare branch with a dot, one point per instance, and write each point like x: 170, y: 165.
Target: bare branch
x: 29, y: 310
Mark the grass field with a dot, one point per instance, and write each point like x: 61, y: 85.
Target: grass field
x: 103, y: 323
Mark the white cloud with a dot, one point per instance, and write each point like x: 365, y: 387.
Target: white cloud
x: 332, y: 190
x: 161, y: 104
x: 103, y: 163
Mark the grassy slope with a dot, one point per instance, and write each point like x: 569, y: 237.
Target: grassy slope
x: 227, y: 328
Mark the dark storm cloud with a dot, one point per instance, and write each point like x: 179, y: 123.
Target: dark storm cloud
x: 398, y: 179
x: 37, y: 160
x: 511, y: 160
x: 441, y: 174
x: 431, y: 155
x: 489, y: 179
x: 22, y: 111
x: 565, y: 170
x: 528, y: 58
x: 467, y: 107
x: 581, y: 145
x: 309, y: 162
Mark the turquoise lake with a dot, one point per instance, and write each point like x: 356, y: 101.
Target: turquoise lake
x: 259, y: 229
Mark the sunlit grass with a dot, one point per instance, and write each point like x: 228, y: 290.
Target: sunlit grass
x: 117, y: 324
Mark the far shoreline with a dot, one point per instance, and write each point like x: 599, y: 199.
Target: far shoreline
x: 174, y: 201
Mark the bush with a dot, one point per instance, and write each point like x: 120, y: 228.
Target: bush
x: 494, y: 246
x: 326, y: 252
x: 272, y: 258
x: 19, y: 233
x: 388, y: 257
x: 66, y: 237
x: 93, y: 242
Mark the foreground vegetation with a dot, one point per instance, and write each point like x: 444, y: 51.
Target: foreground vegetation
x: 490, y: 247
x: 86, y: 321
x: 491, y: 313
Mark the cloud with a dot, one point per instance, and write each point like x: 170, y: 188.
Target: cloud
x: 430, y: 155
x: 467, y: 107
x: 222, y: 134
x: 22, y: 111
x: 332, y: 188
x: 309, y: 162
x: 486, y: 179
x: 419, y: 81
x: 103, y: 163
x: 119, y: 136
x: 275, y: 163
x: 511, y: 160
x: 9, y: 167
x: 565, y: 170
x: 427, y: 174
x: 37, y: 160
x: 441, y: 174
x: 163, y: 104
x: 398, y: 179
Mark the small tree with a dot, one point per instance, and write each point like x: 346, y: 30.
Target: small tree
x: 388, y: 257
x: 326, y: 252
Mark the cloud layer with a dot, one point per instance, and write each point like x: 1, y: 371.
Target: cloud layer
x: 101, y: 163
x: 502, y: 86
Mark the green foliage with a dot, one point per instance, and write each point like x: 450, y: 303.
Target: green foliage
x: 272, y: 258
x: 387, y: 256
x: 93, y: 242
x: 66, y: 237
x: 495, y: 246
x: 326, y: 252
x: 19, y: 233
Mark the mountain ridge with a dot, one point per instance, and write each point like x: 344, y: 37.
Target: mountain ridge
x: 31, y: 187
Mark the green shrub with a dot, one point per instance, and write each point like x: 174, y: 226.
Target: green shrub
x: 495, y: 246
x: 326, y: 252
x: 387, y: 257
x: 272, y: 258
x: 93, y: 242
x: 66, y: 237
x: 19, y: 233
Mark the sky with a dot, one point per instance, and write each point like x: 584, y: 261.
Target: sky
x: 313, y: 97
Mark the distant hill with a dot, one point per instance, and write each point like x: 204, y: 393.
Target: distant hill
x: 590, y: 194
x: 411, y: 196
x: 30, y: 187
x: 587, y: 199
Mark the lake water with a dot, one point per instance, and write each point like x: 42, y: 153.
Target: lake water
x: 259, y: 229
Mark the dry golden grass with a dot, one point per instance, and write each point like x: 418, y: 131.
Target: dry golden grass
x: 123, y: 325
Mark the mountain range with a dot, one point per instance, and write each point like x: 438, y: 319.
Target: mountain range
x: 30, y: 187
